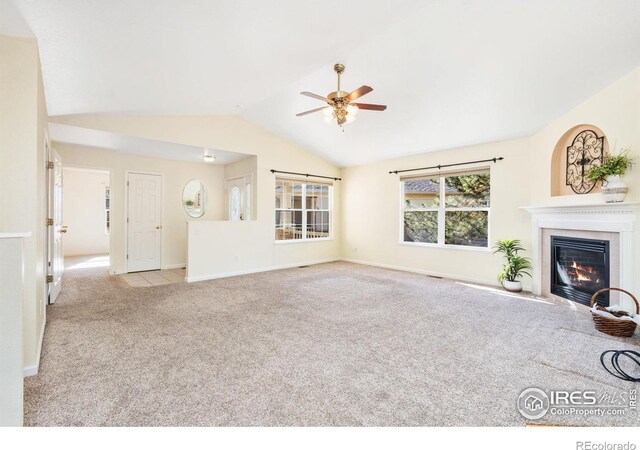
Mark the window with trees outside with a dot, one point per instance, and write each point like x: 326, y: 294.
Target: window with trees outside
x: 303, y: 210
x: 447, y: 209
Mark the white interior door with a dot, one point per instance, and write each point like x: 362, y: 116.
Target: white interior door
x: 144, y: 222
x: 56, y: 257
x: 239, y: 199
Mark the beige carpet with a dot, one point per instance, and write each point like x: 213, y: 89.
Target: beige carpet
x: 335, y: 344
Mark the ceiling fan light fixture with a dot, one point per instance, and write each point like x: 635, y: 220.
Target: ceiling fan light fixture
x: 341, y: 108
x: 352, y: 113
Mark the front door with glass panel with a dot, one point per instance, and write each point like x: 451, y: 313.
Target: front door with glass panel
x: 239, y: 198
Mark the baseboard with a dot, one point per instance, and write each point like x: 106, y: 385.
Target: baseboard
x: 350, y: 260
x: 422, y: 272
x: 32, y: 370
x: 174, y: 266
x: 264, y: 269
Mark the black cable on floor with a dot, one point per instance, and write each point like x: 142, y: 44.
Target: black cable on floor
x: 619, y: 372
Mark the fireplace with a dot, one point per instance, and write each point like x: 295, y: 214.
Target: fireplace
x: 579, y: 268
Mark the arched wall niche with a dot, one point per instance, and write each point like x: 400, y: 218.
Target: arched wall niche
x: 559, y: 184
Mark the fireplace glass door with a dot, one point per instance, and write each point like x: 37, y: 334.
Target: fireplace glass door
x: 579, y: 268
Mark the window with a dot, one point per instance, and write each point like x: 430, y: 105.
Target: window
x: 303, y: 210
x: 447, y: 210
x: 107, y: 209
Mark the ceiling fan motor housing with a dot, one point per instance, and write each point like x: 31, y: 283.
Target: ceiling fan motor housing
x: 337, y: 96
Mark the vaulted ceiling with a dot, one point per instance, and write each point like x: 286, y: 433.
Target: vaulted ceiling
x: 452, y: 72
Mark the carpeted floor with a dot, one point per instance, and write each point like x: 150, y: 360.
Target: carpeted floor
x: 334, y: 344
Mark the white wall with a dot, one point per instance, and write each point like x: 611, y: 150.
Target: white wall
x: 23, y: 124
x: 367, y: 201
x: 372, y: 213
x: 371, y: 199
x: 223, y: 248
x: 11, y: 339
x: 255, y: 238
x: 616, y: 111
x: 176, y: 174
x: 83, y: 212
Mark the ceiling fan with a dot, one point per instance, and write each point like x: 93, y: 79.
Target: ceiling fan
x: 342, y: 107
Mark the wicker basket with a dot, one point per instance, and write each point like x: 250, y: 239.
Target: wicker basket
x: 614, y: 327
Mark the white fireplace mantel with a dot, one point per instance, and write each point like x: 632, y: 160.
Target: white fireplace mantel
x: 622, y: 218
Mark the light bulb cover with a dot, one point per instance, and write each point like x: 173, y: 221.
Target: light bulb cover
x: 352, y: 110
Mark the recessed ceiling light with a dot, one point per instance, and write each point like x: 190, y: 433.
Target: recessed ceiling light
x: 208, y: 157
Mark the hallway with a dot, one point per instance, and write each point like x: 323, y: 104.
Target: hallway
x: 86, y: 266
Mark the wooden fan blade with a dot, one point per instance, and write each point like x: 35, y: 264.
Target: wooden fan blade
x: 362, y: 90
x: 310, y: 111
x: 319, y: 97
x: 370, y: 106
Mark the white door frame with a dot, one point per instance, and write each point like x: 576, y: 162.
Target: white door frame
x: 48, y: 148
x: 111, y: 183
x: 126, y: 214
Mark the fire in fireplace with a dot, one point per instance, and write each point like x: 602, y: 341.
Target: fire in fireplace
x: 579, y: 268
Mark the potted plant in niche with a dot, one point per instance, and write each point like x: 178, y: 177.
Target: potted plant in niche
x: 610, y: 173
x: 516, y: 265
x: 188, y: 203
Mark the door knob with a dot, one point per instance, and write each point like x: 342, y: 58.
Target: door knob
x: 63, y: 229
x: 158, y: 227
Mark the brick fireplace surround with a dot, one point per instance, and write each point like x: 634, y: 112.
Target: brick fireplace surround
x: 616, y: 222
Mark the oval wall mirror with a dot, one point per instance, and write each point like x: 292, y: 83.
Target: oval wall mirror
x: 195, y: 198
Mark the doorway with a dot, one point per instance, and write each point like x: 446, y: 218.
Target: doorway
x: 144, y: 221
x: 87, y: 221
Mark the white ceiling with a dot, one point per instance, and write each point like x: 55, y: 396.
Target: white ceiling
x: 107, y: 140
x: 452, y: 72
x: 11, y: 21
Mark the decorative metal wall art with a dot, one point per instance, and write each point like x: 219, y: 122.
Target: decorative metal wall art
x: 585, y: 152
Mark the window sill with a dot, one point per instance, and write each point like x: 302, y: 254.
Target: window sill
x: 447, y: 246
x: 301, y: 241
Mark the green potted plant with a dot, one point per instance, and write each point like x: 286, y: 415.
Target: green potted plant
x: 610, y: 173
x: 188, y: 203
x: 516, y: 265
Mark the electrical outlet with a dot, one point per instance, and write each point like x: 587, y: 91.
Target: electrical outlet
x: 236, y: 258
x: 355, y: 249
